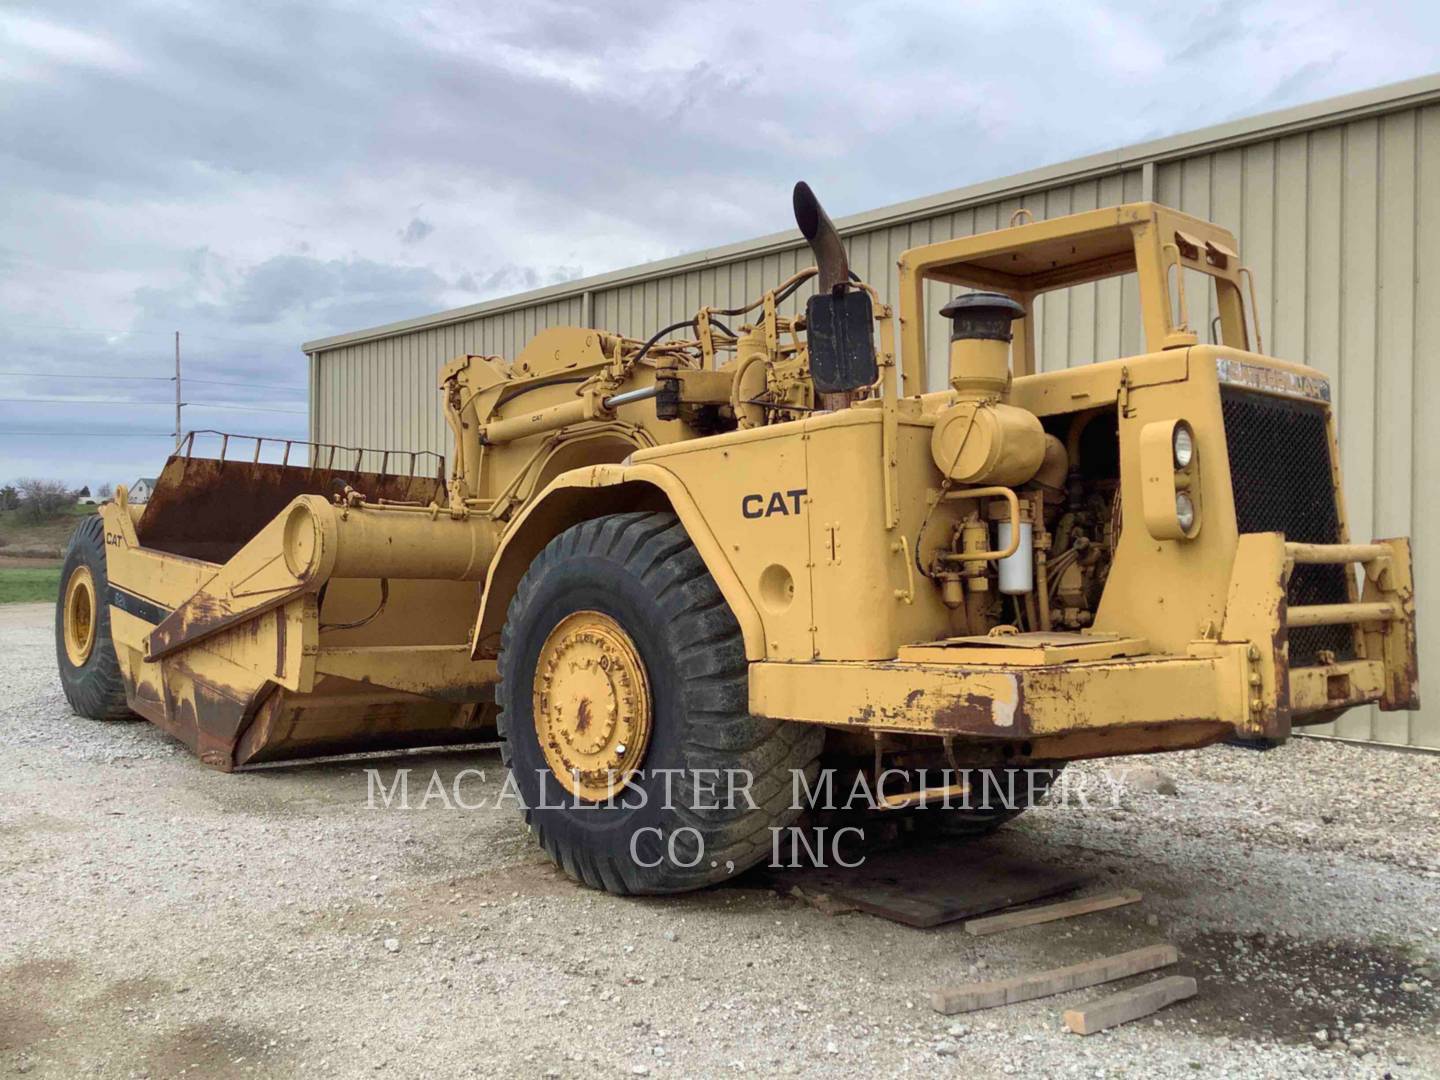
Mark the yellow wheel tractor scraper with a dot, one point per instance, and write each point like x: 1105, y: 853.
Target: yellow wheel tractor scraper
x: 725, y: 551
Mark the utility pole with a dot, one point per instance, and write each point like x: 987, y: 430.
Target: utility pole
x: 177, y: 389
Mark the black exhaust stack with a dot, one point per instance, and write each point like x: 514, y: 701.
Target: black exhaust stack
x: 839, y: 320
x: 824, y: 239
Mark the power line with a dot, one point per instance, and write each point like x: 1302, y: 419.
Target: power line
x: 222, y: 382
x: 161, y: 333
x: 84, y: 375
x: 94, y: 434
x: 166, y: 404
x: 147, y: 378
x: 77, y: 401
x: 243, y: 408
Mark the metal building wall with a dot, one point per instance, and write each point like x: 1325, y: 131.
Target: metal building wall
x: 382, y: 393
x: 1337, y: 211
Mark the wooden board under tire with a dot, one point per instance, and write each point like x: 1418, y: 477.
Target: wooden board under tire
x: 925, y: 887
x: 986, y: 995
x: 1129, y: 1004
x: 1010, y: 920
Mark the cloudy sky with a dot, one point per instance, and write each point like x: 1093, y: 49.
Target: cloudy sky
x: 258, y: 174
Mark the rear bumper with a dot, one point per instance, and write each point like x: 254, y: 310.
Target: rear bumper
x: 1236, y: 682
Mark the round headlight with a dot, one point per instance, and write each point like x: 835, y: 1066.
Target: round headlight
x: 1185, y: 511
x: 1184, y: 446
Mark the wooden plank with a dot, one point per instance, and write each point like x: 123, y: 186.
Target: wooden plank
x: 1129, y: 1005
x: 926, y: 887
x: 1010, y: 920
x: 986, y: 995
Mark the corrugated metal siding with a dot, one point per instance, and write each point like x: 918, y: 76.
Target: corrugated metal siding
x: 1341, y: 224
x: 383, y: 394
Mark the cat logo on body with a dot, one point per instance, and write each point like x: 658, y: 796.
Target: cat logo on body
x: 776, y: 504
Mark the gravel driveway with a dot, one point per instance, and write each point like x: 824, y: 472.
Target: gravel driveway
x: 159, y: 918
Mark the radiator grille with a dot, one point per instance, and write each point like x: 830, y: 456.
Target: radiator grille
x: 1280, y: 471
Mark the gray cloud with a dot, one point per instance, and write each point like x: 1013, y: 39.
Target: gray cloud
x: 327, y: 293
x: 240, y: 171
x: 416, y: 231
x: 1300, y: 82
x: 510, y: 278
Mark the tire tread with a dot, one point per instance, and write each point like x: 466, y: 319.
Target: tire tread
x: 97, y: 689
x: 720, y: 733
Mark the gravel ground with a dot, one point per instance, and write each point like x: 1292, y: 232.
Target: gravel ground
x: 160, y: 919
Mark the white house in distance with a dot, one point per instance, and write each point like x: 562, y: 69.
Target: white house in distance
x: 140, y: 490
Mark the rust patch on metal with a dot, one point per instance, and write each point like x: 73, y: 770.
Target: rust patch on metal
x: 1405, y: 679
x: 969, y: 713
x: 286, y: 726
x: 204, y: 615
x: 208, y: 509
x: 280, y: 623
x: 1280, y: 643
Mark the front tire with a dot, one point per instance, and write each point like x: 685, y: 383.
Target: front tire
x: 618, y: 633
x: 84, y: 650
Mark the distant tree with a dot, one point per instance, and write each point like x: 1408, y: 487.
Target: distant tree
x: 83, y: 493
x: 41, y: 500
x: 105, y: 491
x: 9, y: 497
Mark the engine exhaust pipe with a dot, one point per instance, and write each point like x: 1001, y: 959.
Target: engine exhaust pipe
x: 824, y: 239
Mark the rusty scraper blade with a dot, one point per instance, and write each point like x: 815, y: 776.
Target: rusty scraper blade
x: 928, y: 886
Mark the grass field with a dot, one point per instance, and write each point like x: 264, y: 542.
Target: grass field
x: 28, y: 584
x: 47, y: 539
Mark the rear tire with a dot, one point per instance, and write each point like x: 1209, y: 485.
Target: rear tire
x: 84, y: 650
x: 639, y: 571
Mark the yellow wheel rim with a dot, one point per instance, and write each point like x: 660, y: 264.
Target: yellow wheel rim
x: 592, y: 705
x: 80, y: 615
